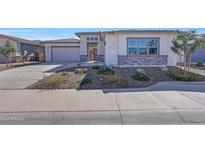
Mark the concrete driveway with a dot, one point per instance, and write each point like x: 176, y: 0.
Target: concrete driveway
x: 21, y: 77
x: 163, y: 103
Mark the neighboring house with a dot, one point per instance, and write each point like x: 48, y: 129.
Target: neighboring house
x: 64, y: 50
x: 21, y: 45
x: 128, y: 47
x: 199, y: 54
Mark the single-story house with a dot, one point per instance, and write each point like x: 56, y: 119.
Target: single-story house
x: 128, y: 47
x: 117, y: 48
x: 64, y: 50
x: 21, y: 46
x: 199, y: 54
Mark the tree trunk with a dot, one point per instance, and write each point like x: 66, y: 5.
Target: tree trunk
x: 185, y: 65
x: 10, y: 60
x: 180, y: 56
x: 7, y: 62
x: 190, y: 55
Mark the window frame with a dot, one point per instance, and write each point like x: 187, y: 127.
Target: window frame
x: 144, y: 38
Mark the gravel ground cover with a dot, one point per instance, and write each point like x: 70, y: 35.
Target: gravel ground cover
x: 90, y: 78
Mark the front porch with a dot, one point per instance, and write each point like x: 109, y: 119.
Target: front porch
x: 92, y: 63
x: 86, y: 59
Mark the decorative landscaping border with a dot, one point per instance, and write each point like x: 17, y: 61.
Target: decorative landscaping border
x: 142, y: 60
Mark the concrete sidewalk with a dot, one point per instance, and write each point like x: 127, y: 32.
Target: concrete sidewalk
x: 134, y: 117
x: 105, y: 106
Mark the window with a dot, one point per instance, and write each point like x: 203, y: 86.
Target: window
x: 132, y: 46
x: 143, y: 46
x: 88, y: 38
x: 96, y: 38
x: 153, y: 46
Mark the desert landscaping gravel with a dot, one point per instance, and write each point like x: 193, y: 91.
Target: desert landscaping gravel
x: 122, y: 78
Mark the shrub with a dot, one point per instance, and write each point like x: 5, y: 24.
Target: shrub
x: 85, y: 81
x: 140, y: 76
x: 96, y: 67
x: 105, y: 71
x: 182, y: 76
x: 200, y: 64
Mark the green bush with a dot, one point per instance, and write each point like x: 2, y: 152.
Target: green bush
x: 85, y: 81
x: 96, y: 67
x: 105, y: 71
x: 182, y: 76
x: 140, y: 76
x: 200, y: 64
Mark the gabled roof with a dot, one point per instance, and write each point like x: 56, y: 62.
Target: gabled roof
x: 20, y: 40
x: 69, y: 40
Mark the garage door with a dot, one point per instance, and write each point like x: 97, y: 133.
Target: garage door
x: 199, y: 55
x: 65, y: 54
x: 2, y: 59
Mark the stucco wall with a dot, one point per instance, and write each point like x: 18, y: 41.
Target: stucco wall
x: 111, y: 49
x: 83, y: 45
x: 116, y: 44
x: 48, y: 47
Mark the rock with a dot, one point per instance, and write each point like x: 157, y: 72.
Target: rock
x: 164, y: 69
x: 81, y: 70
x: 140, y: 70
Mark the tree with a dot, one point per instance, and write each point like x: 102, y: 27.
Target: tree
x: 7, y: 50
x: 185, y: 44
x: 177, y: 48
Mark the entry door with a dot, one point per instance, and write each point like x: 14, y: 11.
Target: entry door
x: 92, y: 51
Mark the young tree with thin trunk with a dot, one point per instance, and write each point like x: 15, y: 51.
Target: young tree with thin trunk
x: 177, y: 48
x: 7, y: 50
x: 186, y: 43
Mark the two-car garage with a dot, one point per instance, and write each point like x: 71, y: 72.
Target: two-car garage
x: 65, y: 54
x: 66, y: 50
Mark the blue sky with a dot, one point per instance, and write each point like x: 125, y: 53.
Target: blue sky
x: 59, y: 33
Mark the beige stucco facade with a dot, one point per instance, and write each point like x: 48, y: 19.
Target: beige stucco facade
x: 116, y: 44
x: 84, y: 42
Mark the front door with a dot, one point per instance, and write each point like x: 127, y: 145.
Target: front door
x: 92, y: 51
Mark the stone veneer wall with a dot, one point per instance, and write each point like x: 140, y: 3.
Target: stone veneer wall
x: 142, y: 60
x: 83, y: 58
x: 100, y: 58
